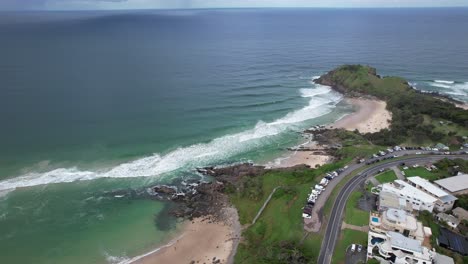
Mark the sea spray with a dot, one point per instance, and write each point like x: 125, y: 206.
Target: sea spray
x: 322, y: 100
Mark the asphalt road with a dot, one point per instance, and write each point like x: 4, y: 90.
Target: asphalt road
x: 335, y: 220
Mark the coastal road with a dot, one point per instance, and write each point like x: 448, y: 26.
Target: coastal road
x: 335, y: 220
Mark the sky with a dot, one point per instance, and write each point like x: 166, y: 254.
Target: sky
x: 185, y: 4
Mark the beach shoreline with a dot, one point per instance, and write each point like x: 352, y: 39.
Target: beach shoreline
x: 201, y: 240
x: 370, y: 116
x: 205, y: 240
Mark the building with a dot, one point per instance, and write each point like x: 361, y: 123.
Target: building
x: 460, y: 213
x: 389, y: 200
x: 451, y: 220
x: 419, y: 199
x: 398, y: 221
x: 456, y: 185
x: 396, y: 248
x: 397, y: 237
x: 453, y: 241
x: 444, y: 201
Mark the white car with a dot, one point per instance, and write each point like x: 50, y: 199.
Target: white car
x: 308, y: 216
x: 353, y: 247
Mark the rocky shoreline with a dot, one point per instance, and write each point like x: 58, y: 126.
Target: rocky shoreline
x: 195, y: 198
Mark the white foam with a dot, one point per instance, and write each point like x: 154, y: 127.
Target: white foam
x: 322, y: 101
x: 443, y: 81
x: 440, y: 85
x: 125, y: 260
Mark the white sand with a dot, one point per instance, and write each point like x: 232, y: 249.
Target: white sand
x: 371, y: 116
x: 201, y: 240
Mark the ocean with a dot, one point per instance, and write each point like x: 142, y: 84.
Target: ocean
x: 95, y: 102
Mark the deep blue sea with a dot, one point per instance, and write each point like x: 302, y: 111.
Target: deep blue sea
x: 92, y: 102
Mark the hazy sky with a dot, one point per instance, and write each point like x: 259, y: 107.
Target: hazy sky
x: 144, y: 4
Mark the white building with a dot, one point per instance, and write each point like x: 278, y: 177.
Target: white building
x: 398, y: 221
x: 419, y: 199
x: 397, y: 237
x: 445, y: 201
x: 396, y: 248
x: 389, y: 200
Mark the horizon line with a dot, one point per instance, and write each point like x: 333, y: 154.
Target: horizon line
x: 227, y: 8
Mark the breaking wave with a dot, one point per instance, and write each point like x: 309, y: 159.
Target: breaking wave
x: 322, y: 100
x: 459, y: 89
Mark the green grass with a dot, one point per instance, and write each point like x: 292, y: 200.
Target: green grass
x: 387, y: 176
x: 421, y: 172
x: 348, y: 237
x: 279, y: 229
x: 354, y: 215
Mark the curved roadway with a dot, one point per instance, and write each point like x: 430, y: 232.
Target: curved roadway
x: 335, y: 220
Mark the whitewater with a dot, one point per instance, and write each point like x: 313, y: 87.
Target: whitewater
x: 322, y: 100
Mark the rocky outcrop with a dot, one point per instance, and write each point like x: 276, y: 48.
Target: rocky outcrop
x: 194, y: 199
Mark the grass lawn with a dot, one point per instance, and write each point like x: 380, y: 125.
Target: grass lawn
x: 348, y: 237
x: 279, y: 229
x: 353, y: 215
x: 421, y: 172
x: 387, y: 176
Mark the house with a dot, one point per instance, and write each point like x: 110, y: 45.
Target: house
x: 391, y: 200
x: 445, y: 201
x: 451, y: 220
x: 453, y: 241
x: 455, y: 185
x: 460, y: 213
x: 419, y: 199
x: 398, y: 221
x: 396, y: 248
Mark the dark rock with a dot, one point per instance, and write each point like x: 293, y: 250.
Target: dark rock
x: 164, y: 189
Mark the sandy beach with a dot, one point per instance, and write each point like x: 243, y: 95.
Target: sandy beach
x: 371, y: 116
x: 201, y: 241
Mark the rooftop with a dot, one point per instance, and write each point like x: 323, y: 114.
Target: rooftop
x: 409, y: 190
x: 391, y: 200
x: 460, y: 213
x: 448, y: 218
x: 448, y: 198
x: 453, y: 241
x: 429, y: 187
x: 455, y: 183
x: 400, y: 241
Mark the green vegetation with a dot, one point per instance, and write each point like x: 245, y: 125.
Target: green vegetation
x: 421, y: 172
x: 448, y: 167
x: 427, y: 219
x: 347, y: 238
x: 354, y: 215
x: 414, y: 114
x: 276, y: 236
x: 387, y: 176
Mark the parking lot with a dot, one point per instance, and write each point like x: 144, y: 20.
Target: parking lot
x: 355, y: 257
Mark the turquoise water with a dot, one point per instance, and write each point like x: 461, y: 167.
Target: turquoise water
x: 94, y: 102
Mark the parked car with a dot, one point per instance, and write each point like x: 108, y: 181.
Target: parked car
x: 353, y: 247
x: 359, y: 248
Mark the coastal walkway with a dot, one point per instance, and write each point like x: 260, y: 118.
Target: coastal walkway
x: 398, y: 173
x: 264, y: 205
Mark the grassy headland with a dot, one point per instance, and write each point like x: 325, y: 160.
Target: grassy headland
x: 415, y: 115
